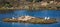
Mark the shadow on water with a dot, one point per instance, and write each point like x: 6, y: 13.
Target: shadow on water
x: 58, y: 20
x: 5, y: 11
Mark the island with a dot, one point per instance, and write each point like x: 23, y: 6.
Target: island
x: 30, y: 19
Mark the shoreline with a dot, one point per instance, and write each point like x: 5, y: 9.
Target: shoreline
x: 29, y: 8
x: 34, y: 5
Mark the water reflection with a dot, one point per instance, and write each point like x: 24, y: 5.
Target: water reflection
x: 6, y: 11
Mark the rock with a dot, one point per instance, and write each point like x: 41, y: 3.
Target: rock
x: 30, y: 19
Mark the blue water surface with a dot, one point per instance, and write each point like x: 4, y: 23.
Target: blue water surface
x: 41, y: 13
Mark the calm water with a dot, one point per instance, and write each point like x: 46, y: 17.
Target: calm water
x: 18, y: 13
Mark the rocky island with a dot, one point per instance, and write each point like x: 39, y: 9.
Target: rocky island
x: 30, y: 19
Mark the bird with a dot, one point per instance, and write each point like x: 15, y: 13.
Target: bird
x: 13, y: 18
x: 47, y: 18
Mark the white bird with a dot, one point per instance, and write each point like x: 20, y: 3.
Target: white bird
x: 48, y: 18
x: 45, y: 18
x: 13, y: 18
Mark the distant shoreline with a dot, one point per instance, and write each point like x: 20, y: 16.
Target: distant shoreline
x: 25, y: 5
x: 29, y: 9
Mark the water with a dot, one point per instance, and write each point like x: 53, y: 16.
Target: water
x: 42, y: 14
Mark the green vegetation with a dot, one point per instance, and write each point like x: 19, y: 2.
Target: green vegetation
x: 7, y: 4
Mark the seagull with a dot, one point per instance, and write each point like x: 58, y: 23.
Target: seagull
x: 47, y: 18
x: 13, y: 18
